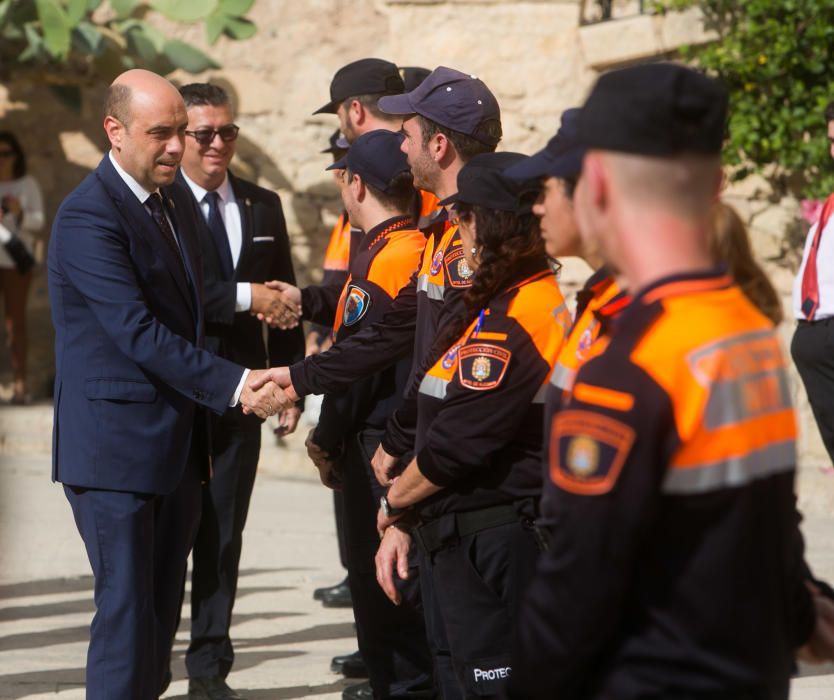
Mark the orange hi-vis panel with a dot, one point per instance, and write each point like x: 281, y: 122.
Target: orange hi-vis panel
x: 544, y: 334
x: 434, y: 268
x: 337, y: 255
x: 584, y: 341
x: 393, y: 258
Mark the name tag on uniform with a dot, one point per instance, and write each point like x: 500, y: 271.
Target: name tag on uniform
x: 263, y: 239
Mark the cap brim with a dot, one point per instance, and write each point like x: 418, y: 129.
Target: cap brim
x: 329, y: 108
x: 396, y: 104
x: 340, y: 164
x: 545, y: 164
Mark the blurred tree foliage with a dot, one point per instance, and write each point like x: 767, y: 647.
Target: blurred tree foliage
x: 69, y: 43
x: 776, y: 57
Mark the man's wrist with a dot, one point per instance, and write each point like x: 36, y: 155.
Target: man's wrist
x: 388, y: 509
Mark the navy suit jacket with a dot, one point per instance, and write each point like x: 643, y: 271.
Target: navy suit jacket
x: 129, y: 372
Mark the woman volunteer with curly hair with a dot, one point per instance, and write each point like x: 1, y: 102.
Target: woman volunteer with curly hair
x: 475, y: 480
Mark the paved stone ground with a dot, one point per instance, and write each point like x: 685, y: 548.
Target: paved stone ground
x: 284, y: 639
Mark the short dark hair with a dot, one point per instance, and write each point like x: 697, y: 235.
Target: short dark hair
x: 117, y: 103
x: 570, y: 185
x: 204, y: 95
x: 399, y: 195
x: 371, y: 103
x: 466, y: 146
x: 829, y: 112
x: 19, y: 166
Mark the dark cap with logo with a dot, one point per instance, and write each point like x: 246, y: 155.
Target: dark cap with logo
x: 656, y: 109
x: 561, y: 157
x: 456, y: 100
x: 336, y: 143
x: 482, y: 182
x: 367, y: 76
x: 376, y: 157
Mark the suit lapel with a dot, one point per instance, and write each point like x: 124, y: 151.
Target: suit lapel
x: 141, y: 222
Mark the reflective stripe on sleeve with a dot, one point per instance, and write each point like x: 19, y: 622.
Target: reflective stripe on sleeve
x: 562, y: 376
x: 776, y: 458
x: 435, y: 291
x: 434, y: 386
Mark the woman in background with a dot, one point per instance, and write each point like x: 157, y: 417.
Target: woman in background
x: 22, y: 214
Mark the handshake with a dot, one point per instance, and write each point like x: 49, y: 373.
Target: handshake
x: 269, y: 391
x: 277, y: 303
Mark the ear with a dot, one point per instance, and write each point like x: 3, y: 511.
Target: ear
x: 357, y: 188
x: 440, y: 147
x: 596, y: 181
x: 114, y: 130
x: 357, y: 112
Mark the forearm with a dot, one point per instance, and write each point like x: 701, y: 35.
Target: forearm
x: 411, y: 487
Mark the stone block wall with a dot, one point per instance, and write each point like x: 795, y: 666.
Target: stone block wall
x: 534, y: 54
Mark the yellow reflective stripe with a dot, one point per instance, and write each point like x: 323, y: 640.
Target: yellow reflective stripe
x: 732, y: 472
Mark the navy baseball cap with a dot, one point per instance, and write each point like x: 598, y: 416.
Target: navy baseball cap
x: 376, y: 157
x: 456, y: 100
x: 561, y: 157
x: 482, y: 181
x: 336, y: 143
x: 655, y: 109
x: 367, y: 76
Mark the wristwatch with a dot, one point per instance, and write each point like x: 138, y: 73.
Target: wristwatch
x: 387, y: 509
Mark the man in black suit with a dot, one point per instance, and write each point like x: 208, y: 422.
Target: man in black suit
x: 132, y: 383
x: 243, y: 243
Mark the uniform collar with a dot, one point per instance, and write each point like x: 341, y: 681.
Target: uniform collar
x: 685, y: 283
x: 399, y: 222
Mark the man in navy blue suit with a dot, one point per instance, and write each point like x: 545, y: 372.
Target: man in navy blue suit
x: 132, y: 384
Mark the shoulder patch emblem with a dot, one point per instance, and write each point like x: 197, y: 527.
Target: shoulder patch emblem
x: 436, y: 262
x: 585, y: 342
x: 483, y: 366
x: 450, y: 357
x: 458, y: 272
x: 587, y: 451
x: 357, y: 303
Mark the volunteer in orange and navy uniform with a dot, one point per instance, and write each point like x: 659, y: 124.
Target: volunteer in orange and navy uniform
x: 675, y: 567
x: 436, y: 289
x: 475, y: 481
x: 377, y: 194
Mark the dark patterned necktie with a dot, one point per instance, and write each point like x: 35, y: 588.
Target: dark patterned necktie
x: 154, y: 203
x: 218, y: 233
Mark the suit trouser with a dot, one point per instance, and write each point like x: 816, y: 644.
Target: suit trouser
x: 339, y: 513
x: 812, y: 349
x: 392, y: 638
x: 137, y: 545
x: 236, y: 445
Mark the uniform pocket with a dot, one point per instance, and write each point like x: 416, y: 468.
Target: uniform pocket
x: 119, y: 390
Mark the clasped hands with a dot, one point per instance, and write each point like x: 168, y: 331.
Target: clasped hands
x: 276, y: 303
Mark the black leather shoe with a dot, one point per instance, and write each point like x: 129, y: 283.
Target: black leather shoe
x: 210, y: 688
x: 337, y: 596
x: 327, y: 591
x: 349, y: 665
x: 362, y: 691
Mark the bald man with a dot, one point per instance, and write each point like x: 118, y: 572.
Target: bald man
x: 130, y: 441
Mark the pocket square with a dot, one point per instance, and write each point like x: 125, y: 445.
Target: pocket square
x: 263, y: 239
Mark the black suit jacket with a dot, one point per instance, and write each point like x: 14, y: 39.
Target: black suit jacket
x: 264, y: 255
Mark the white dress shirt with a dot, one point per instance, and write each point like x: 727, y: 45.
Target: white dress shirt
x: 825, y: 273
x: 142, y: 195
x: 230, y: 213
x: 29, y: 195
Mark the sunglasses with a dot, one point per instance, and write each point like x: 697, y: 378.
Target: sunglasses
x: 205, y: 136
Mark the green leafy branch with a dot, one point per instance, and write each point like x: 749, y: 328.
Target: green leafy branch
x: 67, y: 43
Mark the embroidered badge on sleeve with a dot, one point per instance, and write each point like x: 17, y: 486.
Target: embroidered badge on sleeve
x: 482, y: 366
x: 587, y: 451
x: 357, y: 303
x: 458, y: 272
